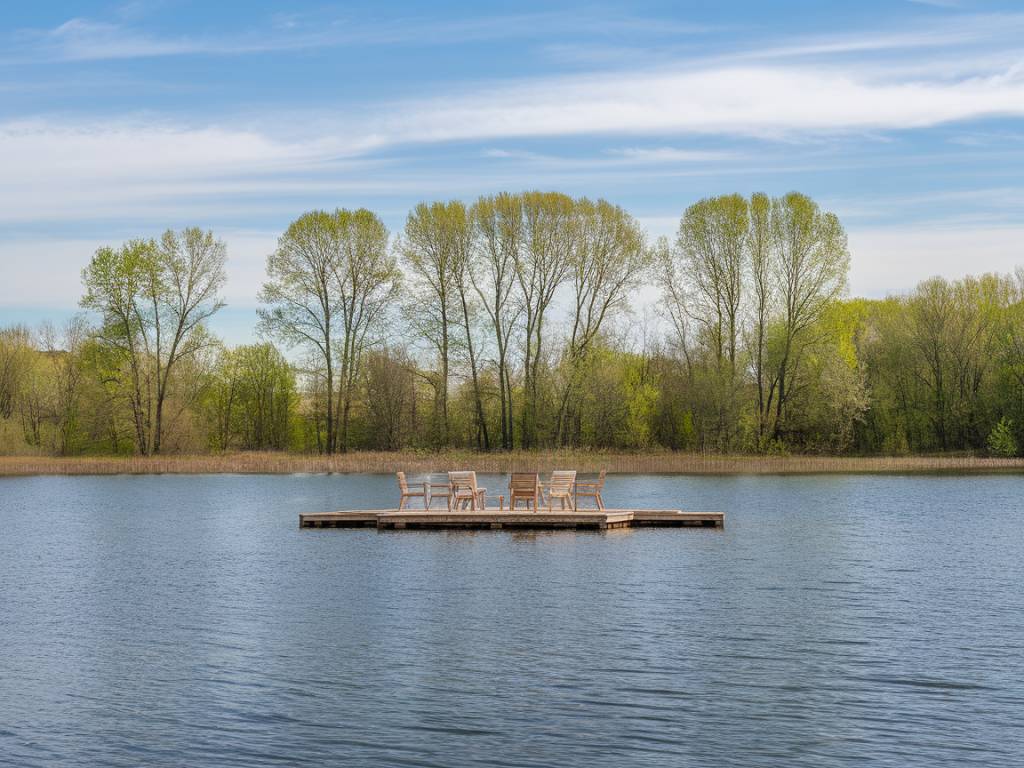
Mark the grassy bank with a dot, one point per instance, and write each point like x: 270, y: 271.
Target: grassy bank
x: 583, y: 461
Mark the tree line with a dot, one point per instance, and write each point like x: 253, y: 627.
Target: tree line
x: 512, y: 322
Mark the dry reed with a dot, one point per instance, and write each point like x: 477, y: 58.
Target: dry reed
x: 543, y: 461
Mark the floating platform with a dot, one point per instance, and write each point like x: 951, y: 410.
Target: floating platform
x: 497, y: 519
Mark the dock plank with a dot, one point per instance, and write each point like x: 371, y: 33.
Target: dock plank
x: 495, y: 519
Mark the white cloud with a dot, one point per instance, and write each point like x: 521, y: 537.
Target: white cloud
x: 746, y: 101
x: 70, y: 169
x: 948, y: 32
x: 143, y: 167
x: 130, y: 149
x: 57, y: 170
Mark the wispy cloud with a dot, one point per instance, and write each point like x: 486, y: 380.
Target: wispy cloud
x: 740, y: 101
x: 943, y: 32
x: 669, y: 155
x: 48, y: 161
x: 57, y: 170
x: 938, y: 3
x: 84, y: 39
x: 695, y: 117
x: 81, y: 39
x: 614, y: 157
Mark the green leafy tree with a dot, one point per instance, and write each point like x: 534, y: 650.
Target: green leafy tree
x: 610, y: 261
x: 1001, y: 441
x: 329, y: 285
x: 154, y: 299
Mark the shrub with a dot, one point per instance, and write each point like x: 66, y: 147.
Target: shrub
x: 1001, y: 441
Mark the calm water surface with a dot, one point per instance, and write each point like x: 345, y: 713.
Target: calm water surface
x: 187, y: 621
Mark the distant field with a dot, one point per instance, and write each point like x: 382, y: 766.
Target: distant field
x: 421, y: 462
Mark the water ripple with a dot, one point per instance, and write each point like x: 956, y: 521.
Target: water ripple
x: 186, y: 621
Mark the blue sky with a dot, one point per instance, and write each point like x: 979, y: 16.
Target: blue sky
x: 119, y: 120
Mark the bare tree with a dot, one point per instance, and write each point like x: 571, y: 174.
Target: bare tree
x: 759, y: 245
x: 304, y: 307
x: 191, y: 270
x: 499, y: 233
x: 64, y: 348
x: 542, y: 265
x: 390, y: 397
x: 366, y: 279
x: 429, y: 248
x: 609, y: 261
x: 462, y: 246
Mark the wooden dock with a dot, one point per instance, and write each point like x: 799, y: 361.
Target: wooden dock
x: 494, y: 519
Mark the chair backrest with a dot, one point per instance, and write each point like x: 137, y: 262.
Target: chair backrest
x: 600, y: 479
x: 562, y: 480
x: 403, y: 486
x: 462, y: 481
x: 524, y: 482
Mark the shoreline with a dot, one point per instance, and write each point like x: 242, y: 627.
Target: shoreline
x: 419, y: 462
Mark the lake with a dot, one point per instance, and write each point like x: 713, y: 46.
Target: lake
x: 188, y: 621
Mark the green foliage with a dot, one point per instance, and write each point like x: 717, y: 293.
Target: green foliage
x: 1001, y: 441
x: 512, y: 326
x: 330, y: 286
x: 250, y: 399
x: 153, y: 300
x: 640, y: 393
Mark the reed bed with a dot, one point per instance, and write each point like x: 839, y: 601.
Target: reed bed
x: 542, y: 461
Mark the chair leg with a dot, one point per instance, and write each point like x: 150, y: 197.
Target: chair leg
x: 600, y: 503
x: 401, y: 503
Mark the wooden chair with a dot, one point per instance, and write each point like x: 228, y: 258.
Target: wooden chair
x: 524, y: 486
x: 561, y: 487
x: 439, y: 488
x: 592, y: 490
x: 407, y: 493
x: 464, y: 491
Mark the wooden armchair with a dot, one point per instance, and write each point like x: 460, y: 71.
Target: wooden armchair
x: 464, y: 491
x: 524, y: 486
x: 592, y: 489
x: 560, y: 487
x: 410, y: 493
x: 439, y: 488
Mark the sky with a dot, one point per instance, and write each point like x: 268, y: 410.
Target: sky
x: 120, y: 120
